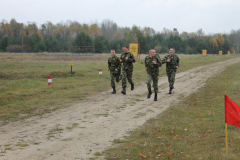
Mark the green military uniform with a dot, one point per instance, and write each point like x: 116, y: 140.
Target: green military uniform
x: 152, y: 71
x: 127, y: 69
x: 114, y: 63
x: 171, y: 68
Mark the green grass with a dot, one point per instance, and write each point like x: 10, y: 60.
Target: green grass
x: 192, y: 129
x: 73, y: 126
x: 24, y: 90
x: 22, y: 145
x: 97, y: 154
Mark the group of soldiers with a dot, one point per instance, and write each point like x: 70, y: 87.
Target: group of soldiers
x: 152, y: 64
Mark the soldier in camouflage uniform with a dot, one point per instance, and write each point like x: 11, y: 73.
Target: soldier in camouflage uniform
x: 127, y: 59
x: 114, y: 66
x: 172, y: 64
x: 152, y: 64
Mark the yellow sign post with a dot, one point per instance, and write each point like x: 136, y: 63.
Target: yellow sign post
x: 71, y: 64
x: 220, y: 52
x: 204, y: 53
x: 234, y: 52
x: 228, y: 52
x: 135, y: 50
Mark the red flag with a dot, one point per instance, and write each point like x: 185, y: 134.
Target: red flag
x: 232, y: 111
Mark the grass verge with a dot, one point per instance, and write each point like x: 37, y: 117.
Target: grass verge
x: 192, y: 129
x: 23, y: 84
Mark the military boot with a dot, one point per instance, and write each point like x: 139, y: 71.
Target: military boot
x: 114, y: 90
x: 149, y: 93
x: 132, y: 86
x: 124, y: 91
x: 170, y: 90
x: 155, y: 97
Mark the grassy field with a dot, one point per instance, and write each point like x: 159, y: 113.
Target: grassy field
x: 24, y: 90
x: 192, y: 129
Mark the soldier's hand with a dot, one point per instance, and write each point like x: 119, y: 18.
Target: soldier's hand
x: 120, y: 60
x: 146, y: 68
x: 154, y: 62
x: 116, y: 70
x: 168, y: 60
x: 108, y: 69
x: 126, y: 58
x: 177, y: 67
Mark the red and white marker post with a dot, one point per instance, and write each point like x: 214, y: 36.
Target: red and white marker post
x: 49, y: 80
x: 100, y: 71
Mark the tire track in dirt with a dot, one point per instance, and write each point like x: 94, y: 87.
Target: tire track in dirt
x: 81, y: 130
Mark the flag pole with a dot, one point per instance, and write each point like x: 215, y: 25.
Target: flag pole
x: 226, y: 138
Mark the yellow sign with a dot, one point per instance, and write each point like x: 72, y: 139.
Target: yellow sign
x: 234, y: 52
x: 71, y: 63
x: 220, y: 52
x: 228, y: 52
x: 204, y: 53
x: 133, y: 48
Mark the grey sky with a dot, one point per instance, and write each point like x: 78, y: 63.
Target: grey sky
x: 213, y: 16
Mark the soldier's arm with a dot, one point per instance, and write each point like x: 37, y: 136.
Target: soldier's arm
x: 178, y: 61
x: 164, y: 60
x: 109, y: 63
x: 119, y: 65
x: 159, y: 62
x: 146, y: 62
x: 131, y: 59
x: 121, y: 58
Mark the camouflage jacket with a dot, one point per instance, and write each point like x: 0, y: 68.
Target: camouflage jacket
x: 114, y: 63
x: 174, y: 61
x: 153, y: 68
x: 127, y: 64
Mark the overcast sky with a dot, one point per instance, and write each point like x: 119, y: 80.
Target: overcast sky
x: 213, y: 16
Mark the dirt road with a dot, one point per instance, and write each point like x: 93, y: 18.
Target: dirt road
x: 77, y: 132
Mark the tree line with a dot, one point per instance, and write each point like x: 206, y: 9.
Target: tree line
x: 107, y: 35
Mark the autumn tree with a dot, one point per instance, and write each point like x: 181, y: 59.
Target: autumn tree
x: 148, y: 31
x: 109, y: 29
x: 214, y: 45
x: 6, y: 30
x: 132, y: 35
x: 117, y: 35
x: 94, y: 30
x: 31, y: 28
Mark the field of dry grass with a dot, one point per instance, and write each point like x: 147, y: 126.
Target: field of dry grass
x: 23, y: 80
x: 66, y: 57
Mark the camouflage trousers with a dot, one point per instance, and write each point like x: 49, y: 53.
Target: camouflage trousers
x: 171, y: 78
x: 113, y: 76
x: 149, y: 80
x: 126, y: 75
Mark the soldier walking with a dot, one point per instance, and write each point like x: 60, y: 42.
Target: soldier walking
x: 152, y: 64
x: 172, y: 64
x: 114, y: 66
x: 127, y: 59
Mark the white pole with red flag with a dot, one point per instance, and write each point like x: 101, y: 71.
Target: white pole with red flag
x: 232, y: 116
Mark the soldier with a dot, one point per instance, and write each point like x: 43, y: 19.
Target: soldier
x: 172, y: 64
x: 127, y: 59
x: 152, y: 64
x: 114, y: 66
